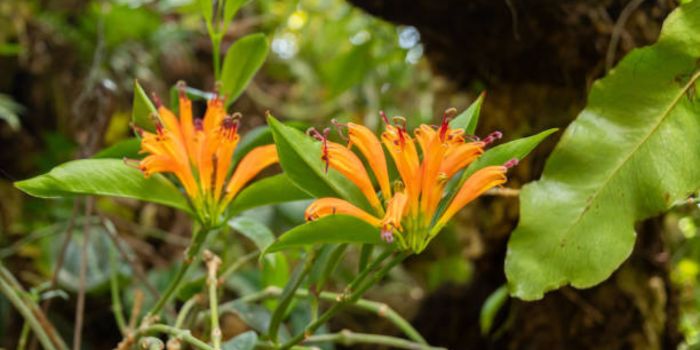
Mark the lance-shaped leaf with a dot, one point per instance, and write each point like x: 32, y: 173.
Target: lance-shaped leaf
x: 328, y: 229
x: 300, y: 157
x: 242, y: 61
x: 630, y: 154
x: 270, y: 190
x: 109, y: 177
x: 142, y: 109
x: 469, y: 119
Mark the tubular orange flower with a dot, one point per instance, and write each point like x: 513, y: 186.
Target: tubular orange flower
x: 199, y: 152
x: 410, y: 212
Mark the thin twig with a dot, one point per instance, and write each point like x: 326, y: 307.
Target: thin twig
x: 62, y: 254
x: 80, y: 305
x: 136, y: 267
x: 617, y: 32
x: 348, y: 338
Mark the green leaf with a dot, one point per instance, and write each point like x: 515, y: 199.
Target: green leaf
x: 329, y: 229
x: 243, y: 341
x: 142, y: 109
x: 270, y: 190
x: 300, y: 157
x: 206, y: 8
x: 253, y: 230
x: 347, y: 70
x: 109, y: 177
x: 500, y: 154
x: 231, y: 7
x: 242, y: 61
x: 490, y: 309
x: 128, y: 148
x: 470, y: 117
x: 628, y: 156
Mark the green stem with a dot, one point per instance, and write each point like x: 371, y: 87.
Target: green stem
x: 353, y: 292
x: 192, y: 252
x: 237, y: 265
x: 213, y: 263
x: 216, y: 55
x: 348, y: 338
x: 380, y: 309
x: 288, y: 294
x: 43, y: 329
x: 114, y: 289
x: 185, y: 310
x: 182, y: 334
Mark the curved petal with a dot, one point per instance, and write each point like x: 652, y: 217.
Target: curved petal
x: 254, y: 162
x: 330, y: 206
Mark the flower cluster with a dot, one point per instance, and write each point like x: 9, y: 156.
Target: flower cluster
x: 199, y: 152
x: 410, y: 209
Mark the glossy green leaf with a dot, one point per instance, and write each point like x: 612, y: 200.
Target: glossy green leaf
x: 109, y: 177
x: 242, y: 61
x: 243, y: 341
x: 329, y: 229
x: 128, y: 148
x: 142, y: 109
x: 300, y: 157
x: 628, y: 156
x: 270, y: 190
x: 516, y: 149
x: 469, y: 119
x: 490, y: 309
x: 254, y: 230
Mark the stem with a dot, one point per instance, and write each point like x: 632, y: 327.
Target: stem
x: 216, y: 55
x: 43, y: 329
x: 213, y: 262
x: 190, y: 255
x: 117, y: 308
x: 80, y: 304
x: 288, y: 294
x: 380, y: 309
x: 348, y: 338
x: 178, y: 333
x: 351, y: 294
x: 186, y: 308
x: 237, y: 265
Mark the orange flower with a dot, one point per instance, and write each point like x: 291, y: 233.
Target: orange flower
x: 199, y: 152
x: 410, y: 211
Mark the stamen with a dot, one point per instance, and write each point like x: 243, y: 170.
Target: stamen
x: 215, y: 166
x: 133, y: 163
x: 511, y: 163
x: 323, y: 138
x: 384, y: 117
x: 158, y: 124
x: 339, y: 128
x: 492, y: 137
x: 182, y: 89
x: 156, y: 100
x: 229, y: 125
x: 446, y: 117
x: 137, y: 129
x: 400, y: 122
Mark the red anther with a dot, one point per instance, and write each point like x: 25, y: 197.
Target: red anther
x: 384, y: 117
x: 158, y: 124
x: 445, y: 125
x: 198, y: 124
x: 511, y: 163
x: 229, y: 126
x: 339, y: 128
x: 156, y: 100
x: 314, y: 133
x: 492, y: 137
x: 182, y: 89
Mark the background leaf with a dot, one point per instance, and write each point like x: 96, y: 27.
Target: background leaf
x: 242, y: 61
x: 629, y: 155
x: 254, y: 230
x: 243, y: 341
x: 128, y: 148
x: 109, y: 177
x: 329, y: 229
